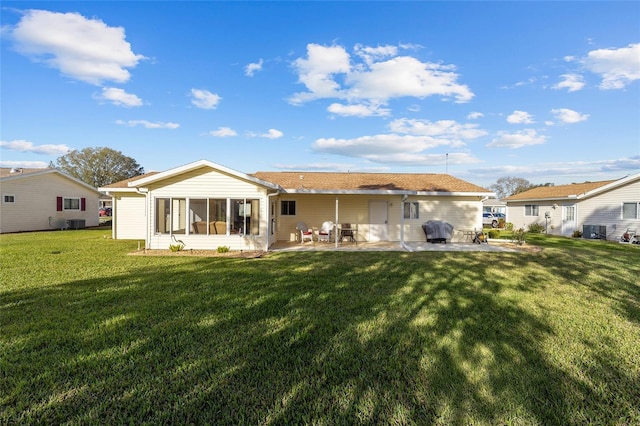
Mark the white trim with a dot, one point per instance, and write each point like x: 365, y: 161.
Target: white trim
x: 197, y: 165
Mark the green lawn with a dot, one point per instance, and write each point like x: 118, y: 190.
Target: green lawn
x: 91, y: 335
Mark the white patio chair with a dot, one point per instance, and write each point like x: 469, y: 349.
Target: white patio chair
x: 324, y: 233
x: 306, y: 234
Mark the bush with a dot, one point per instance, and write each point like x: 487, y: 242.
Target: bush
x: 176, y: 247
x: 494, y: 233
x: 576, y: 234
x: 508, y: 226
x: 223, y: 249
x: 535, y: 228
x: 519, y: 235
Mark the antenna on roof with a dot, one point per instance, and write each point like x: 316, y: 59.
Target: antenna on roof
x: 446, y: 163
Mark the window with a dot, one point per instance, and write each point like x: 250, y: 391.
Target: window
x: 288, y: 208
x: 8, y: 199
x: 531, y: 210
x: 630, y: 210
x: 207, y: 216
x: 412, y: 210
x: 71, y: 204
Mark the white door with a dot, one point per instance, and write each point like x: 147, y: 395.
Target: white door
x: 568, y: 219
x: 378, y: 221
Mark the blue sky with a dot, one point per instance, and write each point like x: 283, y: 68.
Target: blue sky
x: 547, y: 91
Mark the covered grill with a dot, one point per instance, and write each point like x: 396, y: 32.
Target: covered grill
x: 437, y: 231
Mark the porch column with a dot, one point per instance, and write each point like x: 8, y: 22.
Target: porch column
x: 335, y: 226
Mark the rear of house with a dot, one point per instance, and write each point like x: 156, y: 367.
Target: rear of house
x: 604, y: 209
x: 43, y: 199
x: 204, y: 205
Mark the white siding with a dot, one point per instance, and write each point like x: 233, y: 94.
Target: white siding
x: 35, y: 203
x: 516, y: 210
x: 606, y: 209
x: 464, y: 213
x: 207, y: 183
x: 129, y: 217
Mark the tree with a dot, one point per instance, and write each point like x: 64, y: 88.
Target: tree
x: 507, y: 186
x: 99, y: 166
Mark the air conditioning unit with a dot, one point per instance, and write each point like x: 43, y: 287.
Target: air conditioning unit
x: 594, y: 232
x: 76, y: 223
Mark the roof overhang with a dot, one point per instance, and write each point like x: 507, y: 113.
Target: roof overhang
x: 384, y: 192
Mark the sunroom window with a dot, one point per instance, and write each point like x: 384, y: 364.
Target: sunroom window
x: 207, y: 216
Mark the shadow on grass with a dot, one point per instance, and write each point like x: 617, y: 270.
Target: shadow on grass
x: 313, y: 338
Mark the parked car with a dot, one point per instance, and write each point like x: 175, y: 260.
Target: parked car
x: 492, y: 219
x: 105, y: 211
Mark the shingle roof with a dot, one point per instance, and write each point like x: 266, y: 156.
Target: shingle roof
x: 329, y: 181
x: 559, y: 191
x: 125, y: 183
x: 17, y: 171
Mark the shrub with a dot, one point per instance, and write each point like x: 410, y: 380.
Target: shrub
x: 223, y: 249
x: 577, y: 234
x: 519, y: 235
x: 508, y: 226
x: 535, y: 228
x: 176, y: 247
x: 494, y: 233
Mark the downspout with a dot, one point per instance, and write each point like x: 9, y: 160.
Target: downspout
x: 335, y: 232
x: 402, y: 243
x: 145, y: 192
x: 266, y: 248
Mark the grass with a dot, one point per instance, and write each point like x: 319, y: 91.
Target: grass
x: 91, y: 335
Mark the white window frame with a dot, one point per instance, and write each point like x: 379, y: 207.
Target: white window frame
x: 5, y: 199
x: 64, y: 204
x: 413, y: 210
x: 637, y: 205
x: 532, y: 207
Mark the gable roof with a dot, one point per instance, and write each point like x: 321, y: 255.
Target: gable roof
x: 400, y: 183
x: 9, y: 174
x: 572, y: 191
x: 148, y: 178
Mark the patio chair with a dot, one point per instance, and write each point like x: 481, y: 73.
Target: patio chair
x: 324, y: 233
x: 346, y: 231
x: 306, y: 234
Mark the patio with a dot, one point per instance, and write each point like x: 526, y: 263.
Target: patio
x: 391, y: 246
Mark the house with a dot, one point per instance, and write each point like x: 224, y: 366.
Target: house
x: 605, y: 209
x: 41, y: 199
x: 205, y: 205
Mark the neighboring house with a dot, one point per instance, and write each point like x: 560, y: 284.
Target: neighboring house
x: 206, y: 205
x: 604, y: 209
x: 41, y: 199
x: 493, y: 205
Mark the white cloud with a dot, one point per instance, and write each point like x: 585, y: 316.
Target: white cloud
x: 569, y: 116
x: 252, y: 68
x: 442, y: 128
x: 474, y: 115
x: 358, y: 110
x: 328, y: 72
x: 26, y: 146
x: 520, y: 117
x: 148, y: 124
x: 519, y: 139
x: 119, y: 97
x: 571, y: 82
x: 25, y: 164
x: 204, y: 99
x: 83, y: 49
x: 551, y: 172
x: 617, y: 67
x: 272, y: 134
x: 223, y: 132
